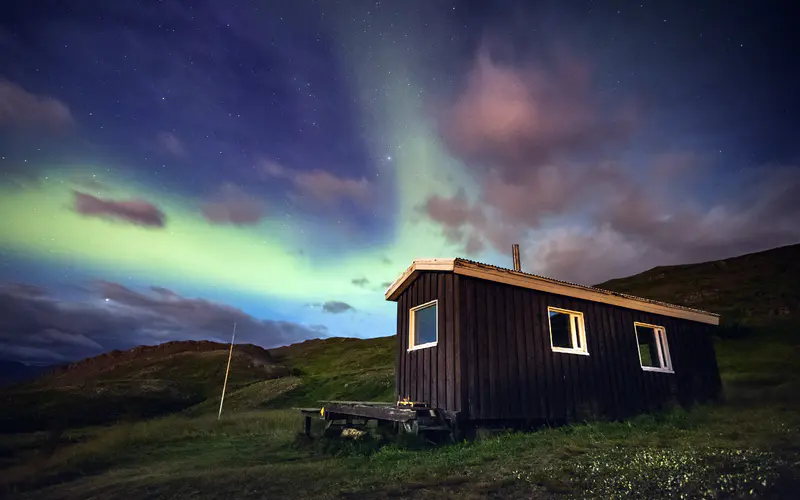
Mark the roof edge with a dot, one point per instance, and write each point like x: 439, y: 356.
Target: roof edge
x: 405, y: 279
x: 525, y: 280
x: 551, y: 285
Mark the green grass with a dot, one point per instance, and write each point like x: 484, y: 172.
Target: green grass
x: 254, y: 396
x: 750, y: 443
x: 256, y: 454
x: 105, y: 393
x: 323, y: 357
x: 131, y: 390
x: 338, y: 369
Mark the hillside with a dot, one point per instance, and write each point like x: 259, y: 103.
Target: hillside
x: 116, y: 363
x: 339, y: 368
x: 142, y: 382
x: 334, y: 369
x: 187, y: 377
x: 753, y: 289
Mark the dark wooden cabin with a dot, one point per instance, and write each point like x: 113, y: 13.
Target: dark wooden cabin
x: 490, y: 344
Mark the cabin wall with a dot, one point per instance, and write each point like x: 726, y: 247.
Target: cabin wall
x: 433, y: 374
x: 510, y: 371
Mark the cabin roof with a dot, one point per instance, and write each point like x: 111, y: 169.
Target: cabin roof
x: 497, y: 274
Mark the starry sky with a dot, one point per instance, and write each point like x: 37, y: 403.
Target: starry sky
x: 168, y: 168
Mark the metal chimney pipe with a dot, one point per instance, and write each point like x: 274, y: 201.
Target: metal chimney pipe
x: 515, y: 250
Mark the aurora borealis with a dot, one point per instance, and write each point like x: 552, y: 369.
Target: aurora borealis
x: 170, y: 168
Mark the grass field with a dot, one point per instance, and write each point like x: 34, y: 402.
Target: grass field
x: 747, y: 447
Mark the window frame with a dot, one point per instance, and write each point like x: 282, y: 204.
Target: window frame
x: 581, y: 335
x: 412, y: 326
x: 662, y: 345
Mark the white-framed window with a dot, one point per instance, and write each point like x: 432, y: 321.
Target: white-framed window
x: 653, y: 348
x: 423, y: 325
x: 567, y: 331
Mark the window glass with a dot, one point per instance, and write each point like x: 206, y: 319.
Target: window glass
x: 648, y: 346
x: 425, y: 325
x: 567, y: 331
x: 560, y: 329
x: 653, y: 347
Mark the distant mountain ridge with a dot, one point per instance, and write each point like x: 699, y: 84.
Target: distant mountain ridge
x: 755, y: 288
x: 13, y: 372
x: 113, y: 359
x: 142, y: 382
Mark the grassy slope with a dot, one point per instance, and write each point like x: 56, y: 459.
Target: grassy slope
x: 758, y: 296
x: 749, y: 446
x: 339, y: 369
x: 757, y: 288
x: 153, y: 383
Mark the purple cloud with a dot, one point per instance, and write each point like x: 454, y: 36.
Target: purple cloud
x: 319, y: 186
x: 170, y: 143
x: 336, y: 307
x: 138, y: 212
x: 18, y: 107
x: 232, y: 205
x: 38, y: 327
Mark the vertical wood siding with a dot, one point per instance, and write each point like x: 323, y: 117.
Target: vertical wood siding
x: 510, y: 370
x: 433, y: 374
x: 493, y: 359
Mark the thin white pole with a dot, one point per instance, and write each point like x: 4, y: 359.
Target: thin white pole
x: 228, y: 369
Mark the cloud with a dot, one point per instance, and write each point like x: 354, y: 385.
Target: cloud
x: 549, y: 161
x: 639, y: 229
x: 329, y: 189
x: 170, y: 143
x: 614, y: 226
x: 137, y: 212
x: 360, y: 282
x: 38, y: 327
x: 369, y: 286
x: 516, y: 117
x: 87, y: 182
x: 455, y: 211
x: 33, y: 355
x: 18, y: 107
x: 763, y: 214
x: 581, y: 255
x: 471, y: 223
x: 24, y: 290
x: 268, y: 168
x: 319, y: 186
x: 336, y: 307
x: 525, y: 133
x: 19, y: 174
x: 232, y: 205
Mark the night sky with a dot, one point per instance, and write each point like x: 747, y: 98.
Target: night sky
x: 169, y: 168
